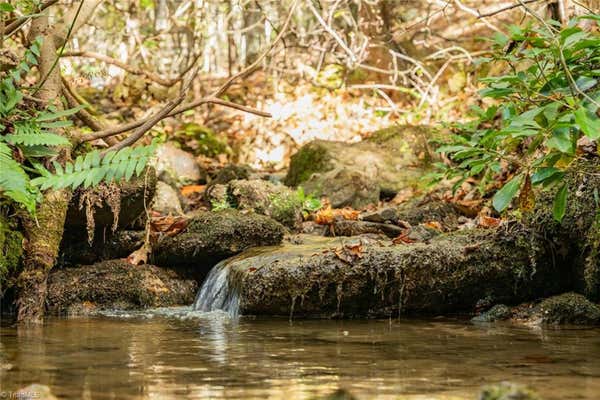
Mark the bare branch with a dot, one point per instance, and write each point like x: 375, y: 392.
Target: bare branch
x: 173, y: 107
x: 19, y: 22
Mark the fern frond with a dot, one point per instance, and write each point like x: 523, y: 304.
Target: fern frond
x: 14, y: 182
x: 91, y: 169
x: 37, y: 139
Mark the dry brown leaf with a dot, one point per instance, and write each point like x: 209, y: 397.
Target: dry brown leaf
x: 526, y: 197
x: 169, y: 225
x: 434, y: 225
x: 470, y: 208
x: 403, y: 238
x: 327, y: 215
x: 489, y: 222
x: 192, y: 189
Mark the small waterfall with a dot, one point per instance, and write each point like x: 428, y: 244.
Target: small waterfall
x: 216, y: 292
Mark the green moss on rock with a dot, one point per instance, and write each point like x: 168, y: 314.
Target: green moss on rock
x: 11, y: 250
x: 568, y: 308
x: 507, y: 391
x: 311, y: 158
x: 213, y: 236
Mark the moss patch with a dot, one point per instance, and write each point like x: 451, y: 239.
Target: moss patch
x: 310, y: 159
x: 11, y: 250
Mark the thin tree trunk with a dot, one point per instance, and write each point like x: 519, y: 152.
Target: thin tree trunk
x: 43, y: 233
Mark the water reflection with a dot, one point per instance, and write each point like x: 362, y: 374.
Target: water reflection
x: 169, y: 354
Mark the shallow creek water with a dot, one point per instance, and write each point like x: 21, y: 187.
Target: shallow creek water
x: 178, y: 353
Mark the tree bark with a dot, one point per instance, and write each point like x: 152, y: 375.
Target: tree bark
x: 44, y: 232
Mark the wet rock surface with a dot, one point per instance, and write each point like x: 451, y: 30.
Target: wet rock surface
x: 499, y: 312
x: 214, y: 236
x: 360, y: 276
x: 115, y: 284
x: 358, y: 174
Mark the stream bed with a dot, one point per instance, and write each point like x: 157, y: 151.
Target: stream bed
x: 179, y: 353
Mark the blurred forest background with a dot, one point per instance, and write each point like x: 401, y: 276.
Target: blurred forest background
x: 342, y: 69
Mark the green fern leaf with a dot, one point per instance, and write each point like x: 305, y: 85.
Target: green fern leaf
x: 14, y: 182
x: 36, y: 139
x: 92, y: 169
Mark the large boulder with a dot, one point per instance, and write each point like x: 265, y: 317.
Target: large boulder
x: 358, y: 174
x: 116, y: 284
x: 565, y: 309
x: 214, y: 236
x: 364, y: 277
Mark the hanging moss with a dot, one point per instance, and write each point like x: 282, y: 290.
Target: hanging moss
x: 11, y: 249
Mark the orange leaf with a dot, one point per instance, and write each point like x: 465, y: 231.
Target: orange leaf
x: 191, y: 189
x: 434, y: 225
x: 489, y: 222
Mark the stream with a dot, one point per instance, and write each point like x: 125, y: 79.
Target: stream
x: 179, y: 353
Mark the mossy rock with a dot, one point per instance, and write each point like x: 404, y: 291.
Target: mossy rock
x: 357, y: 174
x: 507, y: 391
x: 214, y: 236
x: 116, y: 284
x: 11, y: 250
x: 201, y: 140
x: 568, y: 308
x: 132, y: 197
x: 363, y: 277
x: 576, y: 239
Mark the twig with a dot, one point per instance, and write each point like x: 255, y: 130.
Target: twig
x: 131, y: 69
x: 173, y: 107
x: 506, y: 8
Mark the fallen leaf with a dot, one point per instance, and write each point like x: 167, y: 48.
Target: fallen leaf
x: 403, y: 238
x: 169, y: 225
x: 191, y: 189
x: 526, y: 196
x: 434, y: 225
x: 489, y: 222
x: 470, y: 208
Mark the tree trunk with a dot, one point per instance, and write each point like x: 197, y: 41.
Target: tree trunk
x: 43, y: 233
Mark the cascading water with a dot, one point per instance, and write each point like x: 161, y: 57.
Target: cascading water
x: 217, y: 293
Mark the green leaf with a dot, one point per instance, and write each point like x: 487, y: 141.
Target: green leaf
x: 504, y: 196
x: 561, y: 140
x: 6, y: 7
x: 588, y: 123
x: 50, y: 116
x: 544, y: 174
x: 559, y: 206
